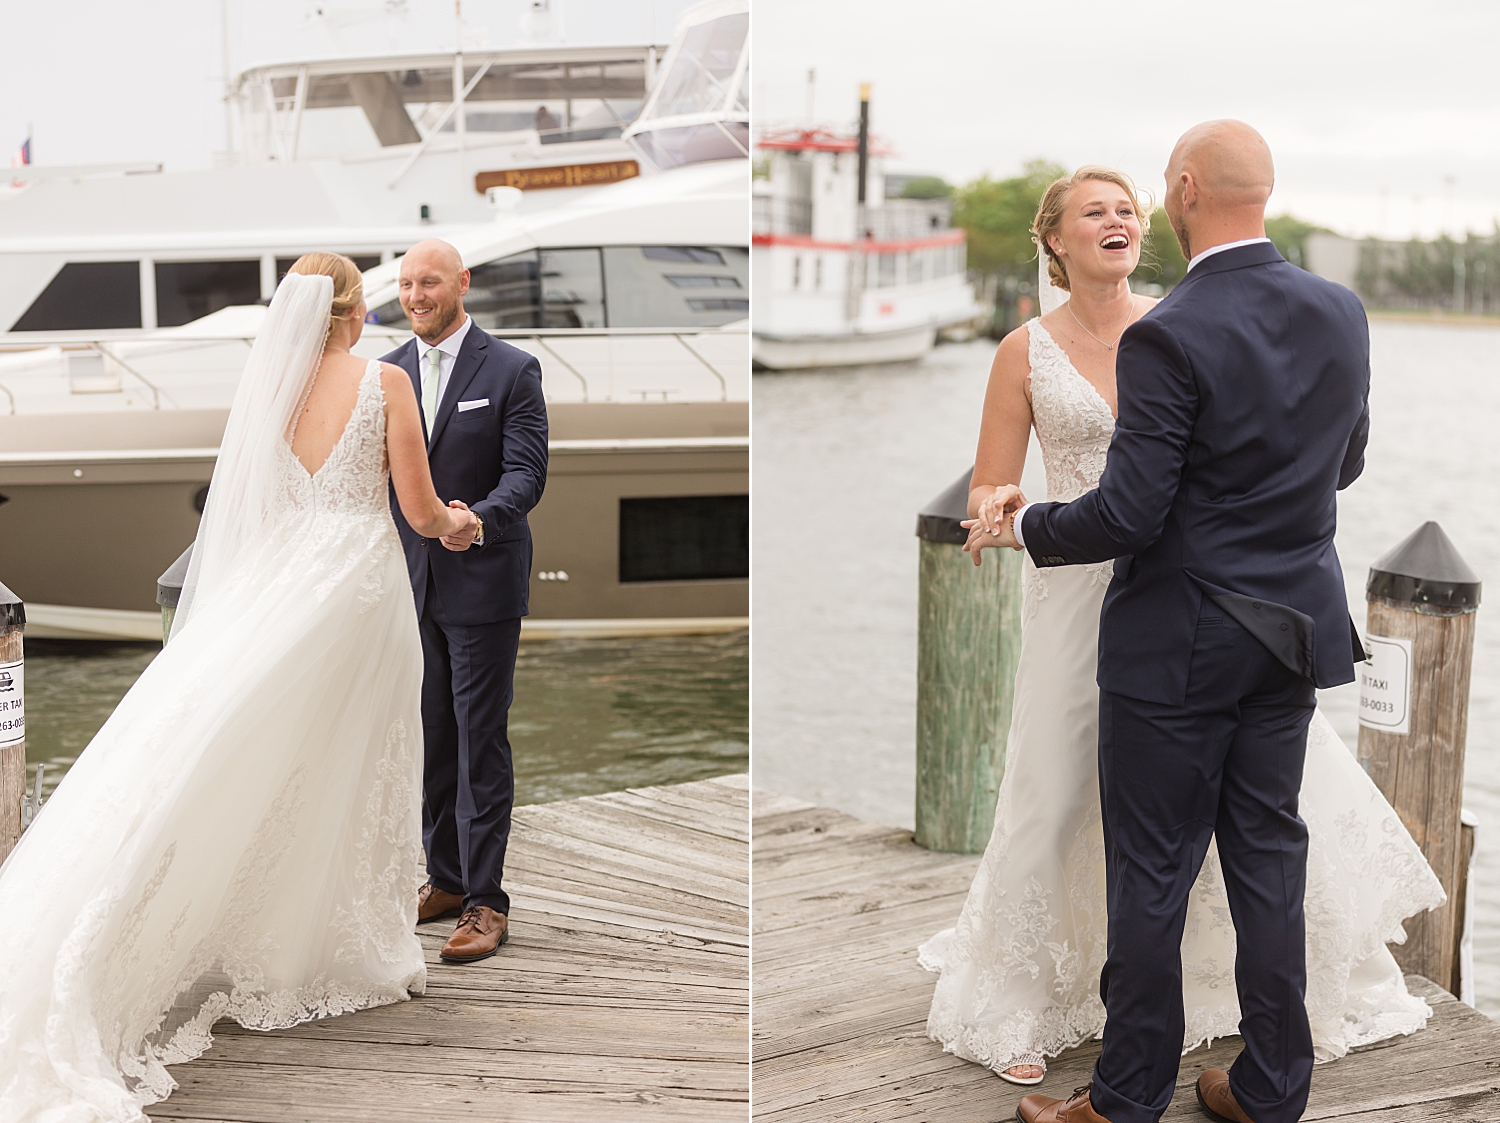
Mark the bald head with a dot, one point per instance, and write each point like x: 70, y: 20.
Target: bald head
x: 1230, y: 161
x: 431, y: 290
x: 1219, y: 179
x: 434, y: 253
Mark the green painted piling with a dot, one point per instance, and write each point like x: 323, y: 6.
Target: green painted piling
x: 968, y: 643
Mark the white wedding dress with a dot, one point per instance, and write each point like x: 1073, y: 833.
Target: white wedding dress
x: 1020, y: 972
x: 242, y: 838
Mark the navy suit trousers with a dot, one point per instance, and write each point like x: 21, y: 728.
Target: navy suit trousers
x: 1226, y: 764
x: 468, y: 782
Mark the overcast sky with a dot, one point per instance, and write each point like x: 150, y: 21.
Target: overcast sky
x: 100, y: 81
x: 1367, y: 106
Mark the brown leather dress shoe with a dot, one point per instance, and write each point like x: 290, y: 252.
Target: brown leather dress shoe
x: 434, y: 904
x: 480, y: 932
x: 1216, y: 1098
x: 1037, y: 1108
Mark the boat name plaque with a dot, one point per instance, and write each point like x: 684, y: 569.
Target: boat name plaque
x: 12, y: 703
x: 563, y: 175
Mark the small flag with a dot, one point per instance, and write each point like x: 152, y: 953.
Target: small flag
x: 21, y: 157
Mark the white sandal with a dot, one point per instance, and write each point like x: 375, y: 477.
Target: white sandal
x: 1024, y: 1081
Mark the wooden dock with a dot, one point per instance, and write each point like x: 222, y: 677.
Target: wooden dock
x: 840, y: 1003
x: 621, y: 995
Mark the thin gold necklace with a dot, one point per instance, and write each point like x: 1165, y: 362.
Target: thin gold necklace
x: 1095, y: 338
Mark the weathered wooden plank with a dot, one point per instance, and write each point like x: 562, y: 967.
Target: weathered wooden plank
x: 623, y: 993
x: 841, y: 1004
x: 232, y: 1092
x: 699, y: 903
x: 580, y: 1069
x: 725, y: 830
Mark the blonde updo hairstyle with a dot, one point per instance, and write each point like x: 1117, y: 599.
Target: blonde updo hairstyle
x: 1049, y: 212
x: 348, y: 284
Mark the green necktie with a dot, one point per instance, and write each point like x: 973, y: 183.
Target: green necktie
x: 430, y: 388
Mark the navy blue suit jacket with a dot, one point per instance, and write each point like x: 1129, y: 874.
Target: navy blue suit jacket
x: 494, y: 458
x: 1243, y: 410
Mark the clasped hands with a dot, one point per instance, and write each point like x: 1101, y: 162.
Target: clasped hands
x: 995, y: 524
x: 463, y: 538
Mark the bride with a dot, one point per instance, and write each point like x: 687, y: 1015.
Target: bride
x: 1020, y: 971
x: 242, y: 837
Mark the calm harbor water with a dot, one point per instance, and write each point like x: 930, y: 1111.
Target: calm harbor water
x: 590, y: 716
x: 844, y: 460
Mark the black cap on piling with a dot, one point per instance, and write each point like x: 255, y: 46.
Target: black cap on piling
x: 1425, y: 569
x: 169, y: 584
x: 12, y: 609
x: 938, y: 520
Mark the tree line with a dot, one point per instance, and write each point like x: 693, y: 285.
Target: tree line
x: 1446, y: 273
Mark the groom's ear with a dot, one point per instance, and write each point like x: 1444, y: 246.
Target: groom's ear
x: 463, y: 283
x: 1189, y: 189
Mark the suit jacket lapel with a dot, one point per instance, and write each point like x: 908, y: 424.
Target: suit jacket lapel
x: 470, y: 356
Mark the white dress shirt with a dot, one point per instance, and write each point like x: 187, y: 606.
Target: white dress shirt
x: 1197, y: 257
x: 449, y: 348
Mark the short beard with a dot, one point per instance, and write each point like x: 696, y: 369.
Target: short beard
x: 1180, y: 230
x: 445, y: 319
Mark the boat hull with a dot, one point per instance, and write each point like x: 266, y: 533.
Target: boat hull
x: 842, y: 350
x: 84, y: 537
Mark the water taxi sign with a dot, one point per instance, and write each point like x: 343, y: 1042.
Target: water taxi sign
x: 563, y: 175
x: 12, y: 703
x: 1385, y: 685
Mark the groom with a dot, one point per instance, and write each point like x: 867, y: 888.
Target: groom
x: 1242, y: 413
x: 486, y: 423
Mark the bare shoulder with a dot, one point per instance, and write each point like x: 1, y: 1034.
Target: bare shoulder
x: 1144, y: 304
x: 394, y: 380
x: 1013, y: 357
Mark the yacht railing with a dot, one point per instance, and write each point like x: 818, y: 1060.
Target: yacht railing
x: 559, y: 348
x: 782, y: 214
x: 905, y: 219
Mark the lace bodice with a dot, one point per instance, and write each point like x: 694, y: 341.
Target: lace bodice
x: 1073, y: 422
x: 353, y: 480
x: 1073, y: 426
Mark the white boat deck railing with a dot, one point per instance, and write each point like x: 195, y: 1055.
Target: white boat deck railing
x: 96, y: 371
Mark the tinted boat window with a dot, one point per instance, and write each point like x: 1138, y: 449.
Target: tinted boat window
x: 701, y: 255
x: 187, y: 290
x: 505, y: 293
x: 685, y: 538
x: 572, y: 289
x: 362, y: 261
x: 663, y: 286
x: 87, y: 295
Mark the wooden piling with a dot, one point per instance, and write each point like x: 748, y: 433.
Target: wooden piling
x: 968, y: 642
x: 1414, y: 711
x: 12, y: 720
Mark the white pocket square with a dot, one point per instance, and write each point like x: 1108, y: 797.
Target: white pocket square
x: 475, y: 404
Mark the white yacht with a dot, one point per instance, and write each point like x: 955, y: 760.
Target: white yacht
x: 842, y: 274
x: 634, y: 298
x: 361, y: 155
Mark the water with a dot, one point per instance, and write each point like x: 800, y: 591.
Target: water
x: 590, y: 716
x: 843, y: 461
